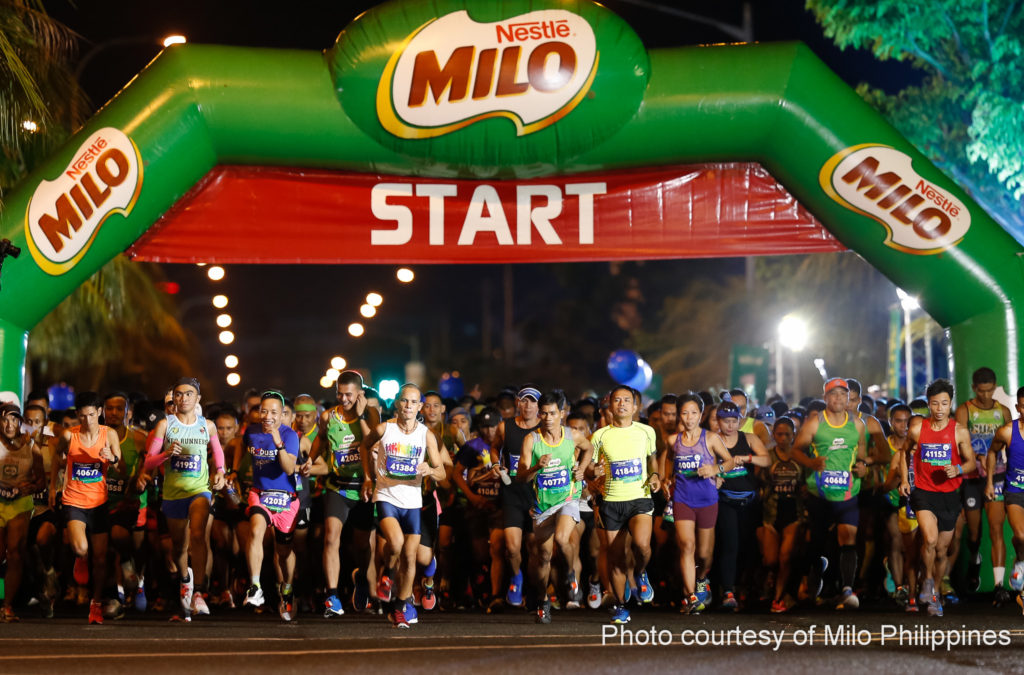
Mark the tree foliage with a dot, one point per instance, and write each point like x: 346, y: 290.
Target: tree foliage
x: 967, y: 115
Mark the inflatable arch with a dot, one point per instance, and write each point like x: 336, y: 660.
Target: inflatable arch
x: 525, y: 130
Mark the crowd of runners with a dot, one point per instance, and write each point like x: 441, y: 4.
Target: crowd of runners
x: 520, y: 499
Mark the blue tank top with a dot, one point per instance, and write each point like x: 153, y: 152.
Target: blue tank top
x: 1015, y: 462
x: 691, y: 489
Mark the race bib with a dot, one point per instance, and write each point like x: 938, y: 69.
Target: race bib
x: 9, y: 492
x: 402, y: 468
x: 937, y: 454
x: 513, y: 463
x: 910, y: 511
x: 345, y: 457
x: 187, y: 465
x: 115, y: 486
x: 86, y: 473
x: 784, y: 489
x: 997, y: 487
x: 487, y: 489
x: 736, y: 472
x: 628, y: 470
x: 1016, y: 478
x: 275, y: 500
x: 555, y: 480
x: 687, y: 465
x: 834, y: 481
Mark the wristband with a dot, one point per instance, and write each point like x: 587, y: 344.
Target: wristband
x: 279, y: 447
x: 959, y: 469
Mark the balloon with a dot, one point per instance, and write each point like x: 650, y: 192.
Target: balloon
x: 451, y: 387
x: 642, y: 379
x: 623, y: 365
x: 61, y: 396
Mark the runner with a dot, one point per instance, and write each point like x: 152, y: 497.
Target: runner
x: 273, y: 501
x: 227, y: 511
x: 90, y: 449
x: 782, y: 515
x: 625, y: 454
x: 341, y: 432
x: 186, y: 442
x: 691, y: 469
x: 896, y: 567
x: 1009, y: 438
x: 43, y: 526
x: 516, y: 500
x: 837, y: 462
x: 406, y: 452
x: 748, y: 424
x: 981, y: 416
x: 21, y: 477
x: 556, y: 457
x: 942, y: 457
x: 309, y: 525
x: 907, y: 527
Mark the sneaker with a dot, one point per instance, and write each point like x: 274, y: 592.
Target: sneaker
x: 974, y: 573
x: 927, y: 591
x: 1001, y: 596
x: 1020, y: 601
x: 848, y: 600
x: 729, y: 601
x: 496, y: 605
x: 227, y: 600
x: 398, y: 619
x: 428, y: 600
x: 901, y: 596
x: 81, y: 571
x: 703, y: 591
x: 890, y: 583
x: 187, y: 590
x: 594, y: 595
x: 694, y: 604
x: 644, y: 589
x: 947, y: 591
x: 254, y: 597
x: 911, y: 607
x: 627, y: 593
x: 361, y: 591
x: 935, y: 608
x: 199, y: 606
x: 411, y: 615
x: 607, y: 599
x: 51, y: 588
x: 10, y: 617
x: 131, y: 579
x: 572, y: 589
x: 384, y: 588
x: 620, y: 614
x: 514, y: 596
x: 1017, y: 578
x: 821, y: 576
x: 332, y: 607
x: 544, y: 612
x: 286, y: 606
x: 113, y: 609
x: 779, y: 607
x: 95, y: 612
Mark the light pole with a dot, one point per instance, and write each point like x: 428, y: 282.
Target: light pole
x: 792, y: 336
x: 909, y: 303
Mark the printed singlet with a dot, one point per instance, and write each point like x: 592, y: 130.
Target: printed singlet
x: 838, y: 445
x: 623, y: 452
x: 554, y: 484
x: 1014, y: 481
x: 86, y: 485
x: 982, y: 424
x: 188, y: 473
x: 398, y: 457
x: 344, y: 465
x: 15, y: 469
x: 936, y: 449
x: 690, y: 488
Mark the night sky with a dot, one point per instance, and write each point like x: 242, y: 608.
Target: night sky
x: 444, y: 307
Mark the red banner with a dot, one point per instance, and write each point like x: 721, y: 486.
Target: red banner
x: 241, y: 214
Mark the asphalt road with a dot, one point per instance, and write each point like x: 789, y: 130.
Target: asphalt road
x: 581, y: 641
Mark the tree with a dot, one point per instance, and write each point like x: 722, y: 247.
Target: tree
x: 968, y: 112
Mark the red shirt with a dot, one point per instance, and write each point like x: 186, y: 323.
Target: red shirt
x: 936, y: 450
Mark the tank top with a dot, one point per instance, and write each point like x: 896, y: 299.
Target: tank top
x: 892, y: 496
x: 344, y: 465
x: 42, y: 497
x: 399, y: 455
x: 554, y: 484
x: 187, y: 474
x: 739, y: 481
x: 936, y: 450
x: 512, y: 444
x: 1014, y: 481
x: 117, y: 484
x: 982, y: 425
x: 838, y: 445
x: 15, y: 469
x: 85, y: 478
x: 689, y: 488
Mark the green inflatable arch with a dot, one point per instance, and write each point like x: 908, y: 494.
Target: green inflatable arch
x: 521, y: 89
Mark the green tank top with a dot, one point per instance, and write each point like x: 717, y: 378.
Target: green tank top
x: 344, y: 465
x: 117, y: 484
x: 554, y: 484
x: 838, y: 445
x: 187, y: 474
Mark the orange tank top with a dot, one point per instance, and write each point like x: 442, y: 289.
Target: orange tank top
x: 86, y: 477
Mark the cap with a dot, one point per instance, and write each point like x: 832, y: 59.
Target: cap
x: 765, y: 412
x: 529, y: 392
x: 10, y: 409
x: 488, y: 417
x: 460, y: 411
x: 836, y: 382
x: 727, y: 409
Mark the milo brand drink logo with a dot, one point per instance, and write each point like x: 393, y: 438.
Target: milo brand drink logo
x: 532, y: 69
x: 880, y: 183
x: 65, y: 214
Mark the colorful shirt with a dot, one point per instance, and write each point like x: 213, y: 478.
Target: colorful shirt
x: 623, y: 451
x: 838, y: 445
x: 344, y: 464
x: 397, y: 459
x: 554, y: 484
x: 86, y: 473
x: 186, y: 474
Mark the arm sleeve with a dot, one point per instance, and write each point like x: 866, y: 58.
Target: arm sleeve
x: 153, y: 458
x: 218, y: 453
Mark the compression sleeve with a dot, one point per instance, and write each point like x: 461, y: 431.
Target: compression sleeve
x: 218, y: 453
x: 153, y: 452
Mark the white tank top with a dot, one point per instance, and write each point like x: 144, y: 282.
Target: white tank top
x: 396, y: 462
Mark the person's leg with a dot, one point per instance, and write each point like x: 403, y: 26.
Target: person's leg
x: 996, y: 513
x: 496, y: 540
x: 892, y: 529
x: 787, y: 547
x: 513, y: 549
x: 198, y: 524
x: 928, y: 528
x: 640, y: 531
x: 565, y: 531
x: 98, y: 543
x: 727, y: 534
x: 686, y: 540
x: 254, y: 554
x: 847, y: 535
x: 14, y: 536
x: 332, y: 556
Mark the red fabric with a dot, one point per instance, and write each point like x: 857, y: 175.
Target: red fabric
x: 930, y: 477
x: 242, y: 214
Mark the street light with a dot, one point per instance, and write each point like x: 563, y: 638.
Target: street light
x: 174, y: 40
x: 405, y: 275
x: 233, y: 379
x: 332, y: 374
x: 909, y: 303
x: 226, y: 337
x: 355, y: 329
x: 220, y: 301
x: 224, y: 320
x: 325, y: 382
x: 374, y: 299
x: 216, y: 273
x: 793, y: 336
x: 339, y: 363
x: 231, y: 361
x: 367, y: 310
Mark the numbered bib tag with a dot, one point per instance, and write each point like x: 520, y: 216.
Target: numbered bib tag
x: 998, y: 487
x: 346, y: 457
x: 187, y: 465
x: 784, y: 489
x: 42, y: 497
x: 687, y: 465
x: 910, y: 511
x: 487, y: 489
x: 8, y: 492
x: 937, y: 454
x: 275, y: 500
x: 513, y: 464
x: 115, y: 486
x: 402, y: 468
x: 628, y: 470
x: 1016, y: 478
x: 555, y: 480
x: 834, y: 482
x: 86, y: 473
x: 736, y: 472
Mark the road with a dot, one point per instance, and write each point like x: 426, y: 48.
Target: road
x: 582, y: 641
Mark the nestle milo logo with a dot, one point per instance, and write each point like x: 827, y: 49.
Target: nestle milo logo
x: 65, y: 214
x: 879, y: 182
x: 532, y: 69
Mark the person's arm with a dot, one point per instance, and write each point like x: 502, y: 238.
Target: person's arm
x: 39, y: 477
x: 321, y: 436
x: 60, y: 456
x: 461, y: 482
x: 761, y: 431
x: 365, y: 455
x: 155, y: 456
x: 287, y: 450
x: 668, y: 465
x: 525, y: 472
x: 586, y: 453
x: 893, y: 478
x: 759, y: 453
x: 434, y: 465
x: 217, y: 453
x: 717, y: 447
x: 803, y: 441
x: 913, y: 434
x: 653, y: 471
x: 967, y: 461
x: 999, y: 441
x: 116, y: 459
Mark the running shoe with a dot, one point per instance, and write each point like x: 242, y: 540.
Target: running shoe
x: 927, y: 591
x: 1017, y: 578
x: 627, y: 593
x: 911, y: 607
x: 140, y: 601
x: 384, y: 588
x: 935, y: 607
x: 81, y: 571
x: 361, y: 591
x: 51, y: 588
x: 254, y: 597
x: 411, y: 615
x: 729, y: 601
x: 1020, y: 601
x: 113, y: 609
x: 620, y: 614
x: 10, y: 617
x: 428, y: 600
x: 703, y: 591
x: 514, y: 596
x: 187, y: 589
x: 974, y: 573
x: 821, y: 576
x: 644, y: 589
x: 544, y: 612
x: 848, y: 600
x: 779, y: 607
x: 131, y: 579
x: 227, y: 600
x: 890, y: 583
x: 694, y: 604
x: 496, y: 605
x: 95, y: 612
x: 901, y: 596
x: 594, y: 596
x: 572, y: 589
x: 398, y: 619
x: 1001, y: 596
x: 332, y: 607
x: 199, y: 606
x: 286, y: 606
x: 947, y: 591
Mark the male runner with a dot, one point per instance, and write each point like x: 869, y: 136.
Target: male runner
x: 43, y: 526
x: 1009, y: 437
x: 516, y: 500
